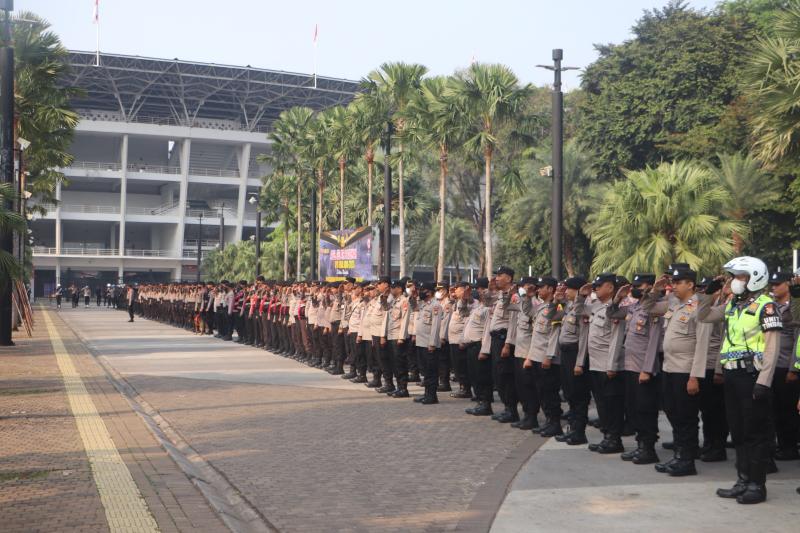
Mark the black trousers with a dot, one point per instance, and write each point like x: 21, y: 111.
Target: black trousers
x: 525, y: 381
x: 444, y: 363
x: 786, y: 416
x: 480, y: 372
x: 682, y: 412
x: 712, y: 409
x: 580, y: 395
x: 431, y: 360
x: 597, y: 380
x: 411, y: 357
x: 644, y: 400
x: 503, y: 371
x: 459, y: 358
x: 750, y: 422
x: 569, y: 355
x: 399, y: 362
x: 337, y: 345
x: 548, y: 382
x: 131, y: 307
x: 614, y: 391
x: 378, y: 359
x: 360, y: 356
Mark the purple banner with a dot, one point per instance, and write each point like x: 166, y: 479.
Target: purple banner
x: 345, y: 253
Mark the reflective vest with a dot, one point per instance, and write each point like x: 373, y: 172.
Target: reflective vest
x: 744, y: 337
x: 797, y: 354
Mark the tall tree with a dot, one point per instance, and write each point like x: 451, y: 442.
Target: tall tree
x: 436, y: 121
x: 369, y: 115
x: 290, y: 136
x: 673, y: 212
x: 343, y: 140
x: 490, y: 94
x: 399, y: 81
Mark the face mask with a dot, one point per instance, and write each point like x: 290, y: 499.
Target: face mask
x: 408, y: 291
x: 522, y: 292
x: 636, y: 293
x: 738, y: 286
x: 439, y: 295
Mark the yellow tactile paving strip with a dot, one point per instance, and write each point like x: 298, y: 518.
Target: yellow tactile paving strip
x: 125, y: 508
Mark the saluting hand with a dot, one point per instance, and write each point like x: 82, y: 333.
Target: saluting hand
x: 586, y: 290
x: 622, y: 293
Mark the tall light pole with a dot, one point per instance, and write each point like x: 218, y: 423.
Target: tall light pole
x: 557, y: 130
x: 6, y: 156
x: 222, y: 227
x: 387, y: 200
x: 254, y: 201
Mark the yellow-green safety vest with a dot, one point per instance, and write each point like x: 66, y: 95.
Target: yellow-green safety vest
x: 743, y: 334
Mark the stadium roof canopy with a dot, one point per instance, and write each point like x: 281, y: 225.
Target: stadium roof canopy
x: 185, y: 93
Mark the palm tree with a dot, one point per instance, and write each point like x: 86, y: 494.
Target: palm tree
x: 290, y: 135
x: 9, y: 221
x: 43, y: 114
x: 749, y: 187
x: 490, y: 93
x: 436, y: 121
x: 369, y: 114
x: 317, y: 152
x: 674, y: 212
x: 465, y: 246
x: 343, y: 140
x: 399, y: 81
x: 277, y: 189
x: 771, y: 84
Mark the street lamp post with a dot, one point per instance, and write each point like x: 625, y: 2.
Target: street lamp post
x: 6, y: 156
x: 254, y: 201
x: 387, y: 200
x: 222, y: 227
x: 558, y: 161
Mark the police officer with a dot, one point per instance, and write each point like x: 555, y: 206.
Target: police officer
x: 462, y: 307
x: 397, y: 336
x: 641, y: 368
x: 473, y: 341
x: 520, y: 335
x: 428, y: 341
x: 502, y: 353
x: 544, y: 355
x: 750, y: 352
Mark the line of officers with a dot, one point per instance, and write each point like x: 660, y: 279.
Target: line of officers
x: 723, y: 348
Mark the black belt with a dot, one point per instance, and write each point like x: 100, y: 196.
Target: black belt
x: 499, y: 333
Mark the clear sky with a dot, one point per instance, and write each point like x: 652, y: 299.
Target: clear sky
x: 355, y: 36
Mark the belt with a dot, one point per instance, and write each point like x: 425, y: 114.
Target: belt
x: 736, y: 364
x: 499, y: 333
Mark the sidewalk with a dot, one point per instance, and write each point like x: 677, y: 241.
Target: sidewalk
x: 74, y: 456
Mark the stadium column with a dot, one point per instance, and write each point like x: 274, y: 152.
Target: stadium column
x: 244, y: 170
x: 58, y: 218
x: 186, y: 148
x: 123, y: 193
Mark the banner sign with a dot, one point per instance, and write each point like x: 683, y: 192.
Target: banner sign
x: 345, y: 253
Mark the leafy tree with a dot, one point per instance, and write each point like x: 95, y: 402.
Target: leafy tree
x: 369, y: 116
x: 9, y: 221
x: 680, y: 72
x: 673, y: 212
x: 463, y: 249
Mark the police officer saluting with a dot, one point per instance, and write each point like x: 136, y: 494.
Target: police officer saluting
x: 748, y: 357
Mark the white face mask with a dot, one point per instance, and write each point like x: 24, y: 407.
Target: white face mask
x: 738, y: 286
x: 439, y: 295
x: 522, y: 292
x: 408, y: 291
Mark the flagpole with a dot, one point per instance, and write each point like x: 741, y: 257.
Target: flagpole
x: 97, y: 54
x: 97, y: 30
x: 316, y: 32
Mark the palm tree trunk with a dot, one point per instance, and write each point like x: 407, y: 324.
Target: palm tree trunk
x: 286, y: 239
x: 401, y: 213
x: 442, y: 210
x: 321, y: 185
x: 488, y: 217
x: 299, y: 238
x: 569, y: 256
x: 341, y: 194
x: 370, y: 168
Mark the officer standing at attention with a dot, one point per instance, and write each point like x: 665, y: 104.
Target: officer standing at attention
x: 573, y: 384
x: 684, y: 366
x: 479, y: 363
x: 428, y: 341
x: 443, y: 297
x: 462, y: 307
x: 524, y: 373
x: 750, y: 352
x: 397, y: 336
x: 502, y: 352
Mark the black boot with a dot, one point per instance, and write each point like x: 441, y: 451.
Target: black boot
x: 552, y: 428
x: 596, y: 445
x: 684, y: 466
x: 714, y: 455
x: 787, y: 454
x: 737, y: 490
x: 444, y: 385
x: 400, y: 393
x: 647, y: 455
x: 508, y: 417
x: 387, y: 388
x: 612, y: 445
x: 632, y: 454
x: 754, y: 493
x: 527, y: 423
x: 463, y: 392
x: 482, y: 409
x: 662, y: 467
x: 376, y: 382
x: 577, y: 437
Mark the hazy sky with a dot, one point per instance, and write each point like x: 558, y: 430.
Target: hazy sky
x: 355, y: 36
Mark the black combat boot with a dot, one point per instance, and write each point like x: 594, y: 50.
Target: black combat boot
x: 632, y: 454
x: 647, y: 455
x: 684, y: 466
x: 737, y: 490
x: 754, y: 493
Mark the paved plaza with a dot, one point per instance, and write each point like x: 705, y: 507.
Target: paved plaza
x: 110, y: 425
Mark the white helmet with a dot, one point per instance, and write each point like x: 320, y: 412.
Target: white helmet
x: 751, y: 266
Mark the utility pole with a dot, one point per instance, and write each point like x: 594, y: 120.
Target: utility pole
x: 387, y: 200
x: 254, y: 201
x: 557, y: 130
x: 199, y: 246
x: 313, y: 239
x: 222, y: 227
x: 6, y: 157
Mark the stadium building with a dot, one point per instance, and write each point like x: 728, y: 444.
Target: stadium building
x: 166, y: 154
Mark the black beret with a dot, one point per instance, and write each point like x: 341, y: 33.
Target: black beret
x: 703, y: 283
x: 399, y: 284
x: 684, y: 273
x: 405, y: 279
x: 780, y: 277
x: 622, y: 280
x: 605, y: 277
x: 350, y: 279
x: 547, y: 281
x: 505, y: 270
x: 365, y: 283
x: 575, y: 282
x: 482, y: 283
x: 429, y: 286
x: 638, y: 279
x: 463, y: 284
x: 384, y: 279
x: 528, y: 280
x: 676, y: 266
x: 442, y: 285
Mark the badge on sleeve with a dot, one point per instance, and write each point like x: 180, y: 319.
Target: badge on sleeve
x: 769, y: 309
